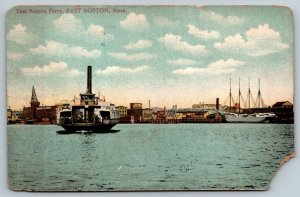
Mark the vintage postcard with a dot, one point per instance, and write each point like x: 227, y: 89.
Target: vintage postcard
x: 148, y: 98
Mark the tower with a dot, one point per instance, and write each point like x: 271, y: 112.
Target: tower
x: 34, y: 101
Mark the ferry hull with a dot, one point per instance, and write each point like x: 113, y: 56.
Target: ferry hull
x: 101, y: 128
x: 104, y: 127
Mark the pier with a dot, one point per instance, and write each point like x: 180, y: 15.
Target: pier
x: 198, y: 113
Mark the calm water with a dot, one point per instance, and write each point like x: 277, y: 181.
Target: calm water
x: 148, y: 157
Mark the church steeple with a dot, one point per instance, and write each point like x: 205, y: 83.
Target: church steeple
x: 34, y: 101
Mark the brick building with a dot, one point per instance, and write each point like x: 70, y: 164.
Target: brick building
x: 135, y: 112
x: 122, y: 111
x: 36, y: 114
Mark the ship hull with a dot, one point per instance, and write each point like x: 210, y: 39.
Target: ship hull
x: 240, y: 119
x: 90, y: 127
x: 101, y: 128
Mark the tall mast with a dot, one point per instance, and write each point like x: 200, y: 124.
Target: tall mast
x: 230, y: 97
x: 249, y: 93
x: 239, y: 96
x: 259, y: 93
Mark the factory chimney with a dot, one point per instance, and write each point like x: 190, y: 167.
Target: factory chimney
x: 89, y: 80
x: 217, y: 103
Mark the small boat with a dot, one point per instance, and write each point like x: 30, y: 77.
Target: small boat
x: 92, y: 114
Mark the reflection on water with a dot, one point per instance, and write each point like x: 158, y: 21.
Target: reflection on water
x: 64, y: 132
x: 147, y: 157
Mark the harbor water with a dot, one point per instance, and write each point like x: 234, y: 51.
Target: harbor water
x: 148, y: 157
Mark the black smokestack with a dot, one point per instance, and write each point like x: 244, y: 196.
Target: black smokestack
x: 89, y: 80
x: 217, y: 103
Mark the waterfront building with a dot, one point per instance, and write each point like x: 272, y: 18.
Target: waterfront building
x: 46, y: 114
x: 10, y: 116
x: 135, y: 112
x: 161, y: 114
x: 122, y: 111
x: 180, y: 115
x: 147, y: 114
x: 205, y: 106
x: 36, y: 114
x: 14, y: 116
x: 283, y: 105
x: 284, y: 111
x: 136, y: 106
x: 195, y: 116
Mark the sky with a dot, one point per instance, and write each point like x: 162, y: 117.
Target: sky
x: 171, y: 55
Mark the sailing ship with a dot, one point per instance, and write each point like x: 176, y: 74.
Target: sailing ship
x: 92, y: 114
x: 247, y: 118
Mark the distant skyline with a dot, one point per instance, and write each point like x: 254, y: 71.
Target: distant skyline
x: 167, y: 54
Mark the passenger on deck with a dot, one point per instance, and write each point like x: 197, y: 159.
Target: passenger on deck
x: 96, y: 118
x: 79, y: 117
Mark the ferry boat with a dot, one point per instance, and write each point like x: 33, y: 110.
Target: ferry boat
x: 92, y: 114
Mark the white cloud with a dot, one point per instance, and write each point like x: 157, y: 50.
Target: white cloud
x: 68, y: 23
x: 189, y: 70
x: 74, y: 73
x: 182, y: 62
x: 224, y: 64
x: 132, y: 57
x: 15, y: 56
x: 139, y: 44
x: 97, y: 31
x: 72, y: 26
x: 175, y: 42
x: 79, y: 51
x: 118, y: 69
x: 19, y: 34
x: 202, y: 34
x: 233, y: 44
x: 52, y: 67
x: 259, y: 41
x: 135, y: 22
x: 223, y: 20
x: 215, y: 68
x: 54, y: 48
x: 165, y: 22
